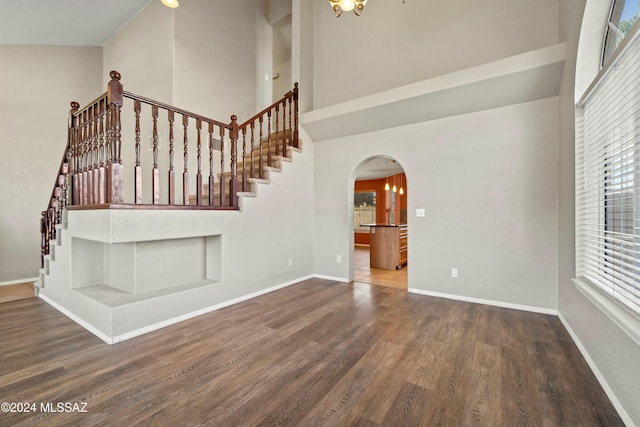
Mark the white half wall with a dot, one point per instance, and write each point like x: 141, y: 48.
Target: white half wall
x: 488, y: 183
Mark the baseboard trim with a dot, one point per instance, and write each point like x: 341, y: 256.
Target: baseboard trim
x: 177, y: 319
x: 335, y: 279
x: 98, y: 333
x: 502, y: 304
x: 17, y: 282
x: 594, y: 368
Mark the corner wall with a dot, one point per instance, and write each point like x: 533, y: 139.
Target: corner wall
x: 37, y: 85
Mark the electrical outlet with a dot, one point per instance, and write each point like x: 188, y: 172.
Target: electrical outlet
x: 454, y: 272
x: 339, y: 258
x: 420, y: 213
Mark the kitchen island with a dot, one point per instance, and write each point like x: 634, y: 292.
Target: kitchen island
x: 387, y: 246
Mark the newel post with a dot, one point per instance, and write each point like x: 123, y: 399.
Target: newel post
x: 72, y: 153
x: 233, y: 183
x: 115, y: 172
x: 296, y: 141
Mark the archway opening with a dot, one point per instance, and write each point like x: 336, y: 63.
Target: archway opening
x: 380, y: 235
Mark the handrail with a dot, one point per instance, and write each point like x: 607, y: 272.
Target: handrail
x: 106, y: 135
x: 175, y: 109
x: 290, y: 94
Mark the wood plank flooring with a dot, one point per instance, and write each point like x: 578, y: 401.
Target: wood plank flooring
x: 16, y: 292
x: 317, y: 353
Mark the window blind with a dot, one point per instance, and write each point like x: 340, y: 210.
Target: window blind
x: 608, y: 180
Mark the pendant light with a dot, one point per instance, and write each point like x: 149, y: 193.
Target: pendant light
x: 394, y: 184
x: 401, y: 189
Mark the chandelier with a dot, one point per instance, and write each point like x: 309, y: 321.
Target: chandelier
x: 341, y: 5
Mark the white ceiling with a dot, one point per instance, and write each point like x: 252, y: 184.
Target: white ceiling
x: 64, y: 22
x: 377, y: 167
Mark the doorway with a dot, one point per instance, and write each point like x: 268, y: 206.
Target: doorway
x: 380, y: 252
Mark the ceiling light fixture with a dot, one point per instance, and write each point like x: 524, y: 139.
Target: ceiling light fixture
x: 401, y: 189
x: 347, y: 5
x: 171, y: 3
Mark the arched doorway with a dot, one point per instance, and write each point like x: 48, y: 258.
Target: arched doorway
x: 378, y: 199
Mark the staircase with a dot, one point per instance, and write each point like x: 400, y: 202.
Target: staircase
x: 123, y: 260
x: 258, y: 168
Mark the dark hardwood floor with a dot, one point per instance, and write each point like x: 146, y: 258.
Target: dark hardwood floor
x: 316, y: 353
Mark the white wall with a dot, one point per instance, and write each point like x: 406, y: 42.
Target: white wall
x: 610, y: 351
x: 142, y: 51
x: 488, y: 184
x: 393, y: 44
x: 37, y: 84
x: 222, y: 53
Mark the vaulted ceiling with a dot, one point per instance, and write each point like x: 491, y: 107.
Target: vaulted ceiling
x: 64, y: 22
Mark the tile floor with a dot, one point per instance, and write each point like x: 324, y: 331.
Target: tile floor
x: 376, y: 276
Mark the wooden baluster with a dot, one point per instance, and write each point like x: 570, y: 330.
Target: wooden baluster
x: 211, y: 191
x: 108, y: 135
x: 284, y: 127
x: 137, y: 171
x: 261, y: 153
x: 73, y: 150
x: 185, y: 174
x: 199, y: 162
x: 115, y: 173
x: 44, y: 244
x: 233, y: 183
x: 155, y: 181
x: 89, y: 166
x: 269, y: 138
x: 51, y: 229
x: 172, y: 173
x: 96, y: 153
x: 57, y: 194
x: 222, y: 180
x: 296, y: 140
x: 244, y: 158
x: 83, y: 160
x: 102, y: 191
x: 289, y: 135
x: 253, y: 162
x: 277, y: 129
x: 65, y: 183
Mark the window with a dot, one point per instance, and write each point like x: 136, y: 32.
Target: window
x: 608, y: 169
x: 364, y: 203
x: 623, y: 16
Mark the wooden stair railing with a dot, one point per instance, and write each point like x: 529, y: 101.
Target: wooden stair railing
x: 105, y: 148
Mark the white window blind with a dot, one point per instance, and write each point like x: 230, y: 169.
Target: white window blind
x: 608, y: 180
